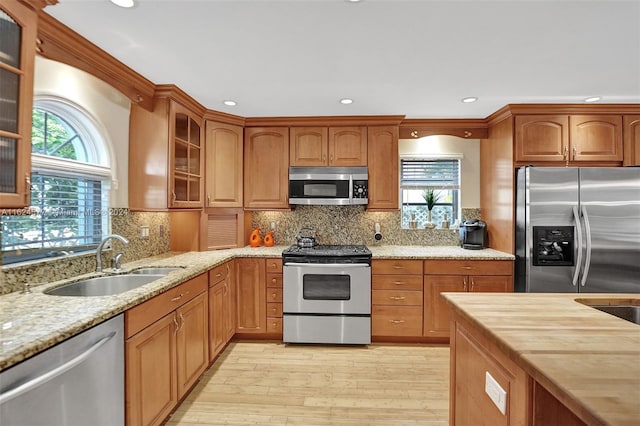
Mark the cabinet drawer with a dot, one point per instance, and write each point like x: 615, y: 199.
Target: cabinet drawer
x: 139, y: 317
x: 396, y: 321
x: 396, y: 266
x: 274, y: 265
x: 396, y: 297
x: 274, y: 310
x: 274, y: 280
x: 468, y: 267
x: 274, y: 325
x: 396, y: 282
x: 219, y: 273
x: 274, y: 295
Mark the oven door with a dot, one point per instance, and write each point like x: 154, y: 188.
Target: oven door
x: 326, y: 288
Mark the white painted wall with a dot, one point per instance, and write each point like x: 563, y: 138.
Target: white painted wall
x: 108, y: 108
x: 470, y: 163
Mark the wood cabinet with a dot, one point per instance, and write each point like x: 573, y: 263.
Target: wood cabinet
x: 383, y: 161
x: 568, y: 138
x: 631, y: 132
x: 17, y: 57
x: 473, y: 360
x: 459, y: 276
x: 328, y: 146
x: 165, y: 146
x: 274, y: 295
x: 166, y: 350
x: 396, y: 298
x: 221, y: 308
x: 266, y: 168
x: 251, y: 292
x: 223, y: 165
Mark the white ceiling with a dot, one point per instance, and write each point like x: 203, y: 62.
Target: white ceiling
x: 417, y: 58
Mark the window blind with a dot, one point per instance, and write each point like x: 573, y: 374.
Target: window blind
x: 434, y: 174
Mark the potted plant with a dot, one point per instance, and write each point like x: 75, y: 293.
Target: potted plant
x: 431, y: 198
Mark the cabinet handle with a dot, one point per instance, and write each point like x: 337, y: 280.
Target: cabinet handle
x: 399, y: 282
x: 398, y: 267
x: 466, y: 267
x: 566, y: 155
x: 208, y: 199
x: 464, y: 284
x: 575, y: 152
x: 397, y: 297
x: 273, y: 295
x: 181, y: 320
x: 219, y: 274
x: 396, y: 321
x: 175, y: 322
x: 175, y: 299
x: 273, y: 280
x: 173, y: 196
x: 472, y: 284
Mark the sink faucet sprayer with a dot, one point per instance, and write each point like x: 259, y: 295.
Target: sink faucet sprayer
x: 117, y: 257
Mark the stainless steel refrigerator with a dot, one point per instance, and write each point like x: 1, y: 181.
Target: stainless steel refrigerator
x: 578, y: 230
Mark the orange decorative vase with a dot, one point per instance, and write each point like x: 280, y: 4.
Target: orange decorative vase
x: 268, y: 239
x: 255, y: 240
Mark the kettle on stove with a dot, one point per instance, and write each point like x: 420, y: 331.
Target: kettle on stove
x: 473, y: 234
x: 306, y: 238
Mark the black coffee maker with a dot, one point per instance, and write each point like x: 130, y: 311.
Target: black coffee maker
x: 473, y: 234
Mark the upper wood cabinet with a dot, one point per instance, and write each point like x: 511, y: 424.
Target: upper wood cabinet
x: 328, y: 146
x: 266, y: 168
x: 568, y: 138
x: 17, y: 57
x: 166, y: 158
x: 223, y: 165
x: 631, y: 131
x: 383, y: 160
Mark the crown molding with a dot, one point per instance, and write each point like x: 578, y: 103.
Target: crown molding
x: 175, y: 93
x: 330, y: 120
x: 223, y: 117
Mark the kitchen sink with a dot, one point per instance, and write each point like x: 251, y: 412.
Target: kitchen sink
x: 160, y: 270
x: 626, y: 312
x: 104, y: 286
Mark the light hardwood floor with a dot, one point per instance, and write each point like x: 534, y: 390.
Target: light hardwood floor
x: 269, y: 383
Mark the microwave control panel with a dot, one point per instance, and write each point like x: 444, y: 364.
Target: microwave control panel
x: 360, y: 189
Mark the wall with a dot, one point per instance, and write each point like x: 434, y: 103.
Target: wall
x: 108, y: 108
x: 469, y: 165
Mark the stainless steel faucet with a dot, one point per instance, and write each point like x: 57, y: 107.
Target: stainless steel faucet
x: 101, y: 245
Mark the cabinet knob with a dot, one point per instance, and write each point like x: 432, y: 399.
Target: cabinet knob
x: 273, y: 280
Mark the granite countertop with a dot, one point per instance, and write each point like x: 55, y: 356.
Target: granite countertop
x: 587, y: 359
x: 31, y: 323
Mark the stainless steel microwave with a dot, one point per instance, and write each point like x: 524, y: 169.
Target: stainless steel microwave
x: 328, y: 186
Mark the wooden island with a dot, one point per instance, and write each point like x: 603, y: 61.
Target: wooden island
x: 555, y: 360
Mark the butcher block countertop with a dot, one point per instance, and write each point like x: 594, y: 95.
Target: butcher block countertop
x: 31, y: 323
x: 589, y: 360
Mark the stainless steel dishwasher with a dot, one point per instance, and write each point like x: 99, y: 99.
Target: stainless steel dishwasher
x: 77, y: 382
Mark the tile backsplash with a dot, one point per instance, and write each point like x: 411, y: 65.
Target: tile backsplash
x: 352, y: 225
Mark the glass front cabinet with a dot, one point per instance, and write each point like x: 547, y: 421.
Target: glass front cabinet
x: 18, y: 26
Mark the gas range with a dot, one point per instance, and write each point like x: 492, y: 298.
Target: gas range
x: 327, y: 254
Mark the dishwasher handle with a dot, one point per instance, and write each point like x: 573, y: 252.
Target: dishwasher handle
x: 44, y: 378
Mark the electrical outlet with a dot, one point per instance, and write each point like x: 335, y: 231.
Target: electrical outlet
x: 161, y: 230
x: 144, y: 232
x: 495, y: 392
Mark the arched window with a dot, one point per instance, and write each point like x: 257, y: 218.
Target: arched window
x: 70, y: 182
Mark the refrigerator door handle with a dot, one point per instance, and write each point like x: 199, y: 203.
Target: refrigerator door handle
x: 576, y: 271
x: 587, y: 261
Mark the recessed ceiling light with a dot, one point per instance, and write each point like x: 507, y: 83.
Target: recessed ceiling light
x: 593, y: 99
x: 469, y: 99
x: 346, y: 101
x: 123, y: 3
x: 230, y: 103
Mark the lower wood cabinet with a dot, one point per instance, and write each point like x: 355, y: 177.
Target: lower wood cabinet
x: 396, y: 298
x: 474, y: 362
x: 274, y: 295
x: 166, y: 350
x: 251, y: 289
x: 459, y: 276
x: 222, y: 304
